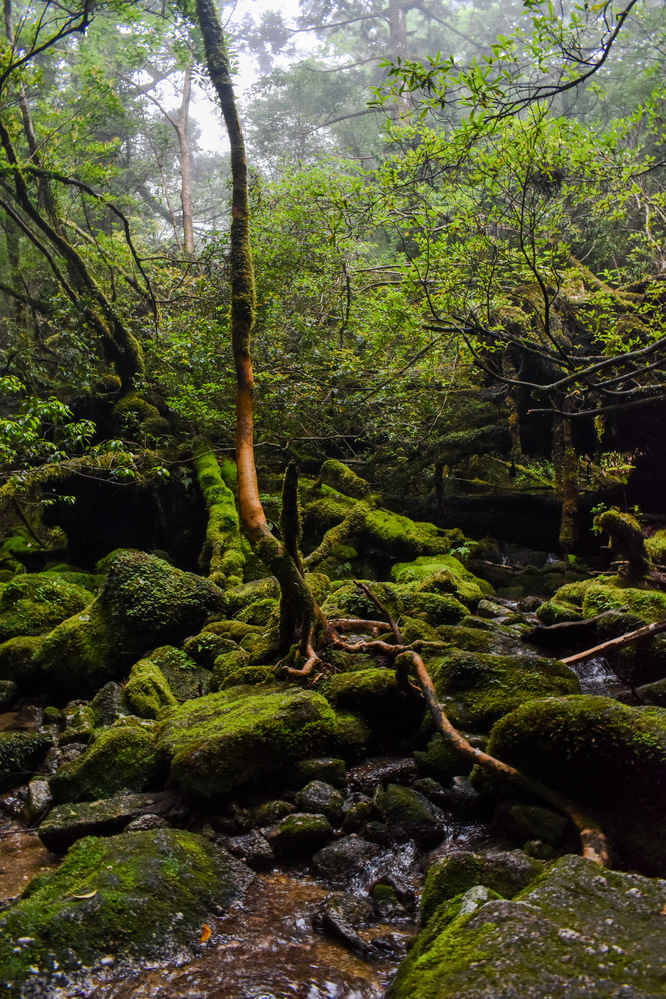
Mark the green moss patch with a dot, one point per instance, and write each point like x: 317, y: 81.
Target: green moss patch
x: 221, y: 741
x: 32, y: 604
x: 122, y: 758
x: 147, y: 690
x: 20, y: 755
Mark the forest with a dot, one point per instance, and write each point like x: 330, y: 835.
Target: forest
x: 332, y: 519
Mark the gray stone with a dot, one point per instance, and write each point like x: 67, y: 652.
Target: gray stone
x: 67, y: 823
x: 322, y: 799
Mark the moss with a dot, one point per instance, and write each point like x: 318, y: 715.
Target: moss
x: 656, y: 547
x: 352, y: 736
x: 627, y: 542
x: 8, y: 693
x: 121, y: 758
x: 469, y: 639
x: 18, y: 661
x: 404, y: 538
x: 227, y: 664
x: 222, y: 557
x: 135, y: 411
x: 594, y: 596
x: 337, y: 475
x: 20, y: 755
x: 234, y: 630
x: 374, y: 694
x: 441, y: 575
x: 408, y: 814
x: 259, y: 612
x: 441, y: 761
x: 185, y: 678
x: 34, y: 603
x: 144, y: 602
x: 221, y: 741
x: 300, y: 835
x: 608, y: 757
x: 415, y: 629
x: 238, y: 597
x: 506, y: 873
x: 476, y: 688
x: 205, y: 647
x: 140, y: 894
x: 327, y: 769
x: 247, y: 676
x: 147, y: 690
x: 436, y: 608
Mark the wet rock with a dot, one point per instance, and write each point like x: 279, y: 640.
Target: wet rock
x: 506, y: 872
x: 271, y: 812
x: 38, y: 800
x: 376, y: 832
x: 68, y: 823
x: 430, y: 789
x: 464, y: 801
x: 608, y: 757
x: 122, y: 758
x: 109, y: 704
x: 78, y: 719
x: 374, y: 694
x: 440, y: 760
x: 144, y: 893
x: 409, y: 815
x: 220, y: 741
x: 596, y: 933
x: 253, y: 848
x: 530, y: 822
x: 356, y: 811
x: 653, y: 693
x: 142, y: 822
x: 324, y: 768
x: 344, y: 859
x: 8, y: 694
x: 321, y: 798
x: 382, y: 770
x: 20, y: 755
x: 385, y: 902
x: 299, y: 835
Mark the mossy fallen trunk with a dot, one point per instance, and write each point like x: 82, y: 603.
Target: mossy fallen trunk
x: 221, y: 557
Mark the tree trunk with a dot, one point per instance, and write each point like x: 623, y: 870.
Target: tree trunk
x: 298, y: 611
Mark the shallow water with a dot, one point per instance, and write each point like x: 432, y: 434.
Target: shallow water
x: 264, y: 948
x: 596, y: 677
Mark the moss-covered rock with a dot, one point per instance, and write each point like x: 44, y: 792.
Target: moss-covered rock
x: 144, y: 602
x: 8, y: 693
x: 409, y: 815
x: 477, y: 689
x: 300, y: 835
x: 32, y: 604
x: 147, y: 690
x: 352, y: 737
x: 247, y: 676
x: 322, y: 768
x: 205, y: 647
x: 440, y: 760
x: 259, y: 612
x: 139, y: 893
x: 578, y: 930
x: 223, y: 740
x: 121, y: 758
x: 505, y: 872
x: 66, y: 823
x: 185, y: 677
x: 226, y: 665
x: 594, y: 596
x: 608, y: 757
x: 444, y: 574
x: 20, y: 755
x: 18, y: 661
x: 374, y: 694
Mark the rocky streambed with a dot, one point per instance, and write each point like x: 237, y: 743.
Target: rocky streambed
x: 180, y: 819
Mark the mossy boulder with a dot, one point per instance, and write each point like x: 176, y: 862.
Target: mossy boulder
x: 478, y: 688
x: 143, y: 602
x: 185, y: 677
x: 594, y: 596
x: 18, y: 661
x: 8, y: 693
x: 506, y: 872
x: 443, y: 575
x: 66, y: 823
x: 374, y: 694
x: 32, y: 604
x: 147, y: 690
x: 440, y: 760
x: 205, y: 647
x: 140, y: 894
x: 123, y: 757
x: 578, y: 930
x: 20, y: 755
x: 409, y: 815
x: 608, y: 757
x: 223, y: 740
x: 299, y: 835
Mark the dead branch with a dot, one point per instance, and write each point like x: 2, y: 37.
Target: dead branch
x: 617, y: 643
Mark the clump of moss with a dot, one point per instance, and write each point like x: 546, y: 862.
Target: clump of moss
x: 18, y: 661
x: 185, y: 677
x: 374, y: 694
x: 147, y: 690
x: 221, y: 741
x: 34, y: 603
x: 444, y: 574
x: 247, y: 676
x: 627, y: 541
x: 608, y: 757
x: 477, y: 689
x: 138, y: 893
x: 222, y: 556
x: 121, y: 758
x: 595, y: 596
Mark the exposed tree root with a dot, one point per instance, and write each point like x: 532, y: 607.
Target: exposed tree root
x: 617, y: 643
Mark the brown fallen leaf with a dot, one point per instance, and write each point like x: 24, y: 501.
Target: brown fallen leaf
x: 663, y: 911
x: 205, y: 933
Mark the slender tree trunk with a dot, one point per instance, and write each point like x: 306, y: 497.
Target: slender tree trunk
x: 298, y: 611
x: 186, y: 162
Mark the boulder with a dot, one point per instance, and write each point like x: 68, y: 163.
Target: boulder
x: 65, y: 824
x: 144, y: 602
x: 578, y: 930
x: 320, y: 798
x: 409, y: 815
x: 299, y: 835
x: 606, y: 756
x: 142, y: 894
x: 32, y: 604
x: 220, y: 741
x: 20, y: 755
x: 123, y: 757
